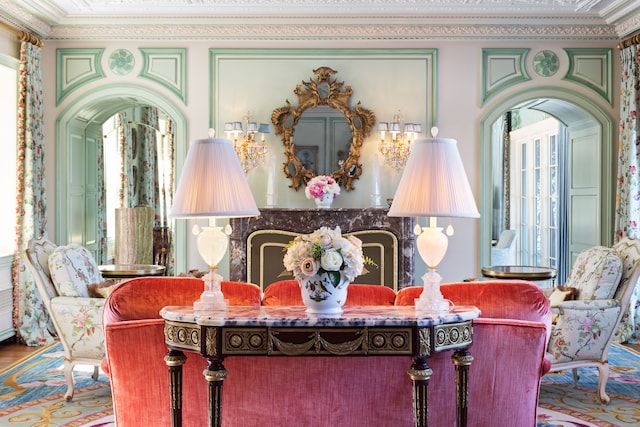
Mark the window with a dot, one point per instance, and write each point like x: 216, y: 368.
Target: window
x: 535, y: 187
x: 8, y: 135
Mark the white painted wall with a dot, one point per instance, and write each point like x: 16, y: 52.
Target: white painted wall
x: 459, y: 112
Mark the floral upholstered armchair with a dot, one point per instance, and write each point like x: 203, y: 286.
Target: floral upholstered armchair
x: 62, y: 274
x: 584, y: 328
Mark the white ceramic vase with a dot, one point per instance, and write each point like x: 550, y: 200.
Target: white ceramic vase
x: 325, y: 201
x: 321, y: 295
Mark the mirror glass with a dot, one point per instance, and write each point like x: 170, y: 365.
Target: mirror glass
x: 323, y: 135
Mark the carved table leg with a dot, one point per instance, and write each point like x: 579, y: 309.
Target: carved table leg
x: 215, y: 375
x: 420, y: 373
x: 462, y: 360
x: 174, y: 360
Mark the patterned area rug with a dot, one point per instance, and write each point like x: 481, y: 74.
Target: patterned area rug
x: 565, y: 404
x: 32, y: 394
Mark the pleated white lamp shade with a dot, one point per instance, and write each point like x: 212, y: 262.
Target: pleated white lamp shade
x: 434, y: 182
x: 212, y: 183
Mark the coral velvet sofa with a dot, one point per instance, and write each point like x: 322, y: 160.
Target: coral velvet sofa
x: 509, y: 344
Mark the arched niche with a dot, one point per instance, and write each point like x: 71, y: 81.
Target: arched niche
x: 94, y: 108
x: 570, y: 108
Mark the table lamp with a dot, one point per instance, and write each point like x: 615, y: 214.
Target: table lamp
x: 212, y: 185
x: 433, y: 184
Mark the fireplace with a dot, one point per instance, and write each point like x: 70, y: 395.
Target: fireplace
x: 257, y: 244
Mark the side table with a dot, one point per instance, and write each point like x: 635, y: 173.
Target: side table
x: 127, y: 271
x: 523, y: 272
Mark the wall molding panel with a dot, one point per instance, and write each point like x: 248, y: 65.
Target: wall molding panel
x: 76, y: 68
x: 167, y: 68
x: 591, y: 68
x: 502, y: 68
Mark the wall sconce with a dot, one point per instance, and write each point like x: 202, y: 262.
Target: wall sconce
x: 250, y: 151
x: 395, y: 151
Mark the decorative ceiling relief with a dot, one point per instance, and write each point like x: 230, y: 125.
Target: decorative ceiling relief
x: 121, y: 62
x: 591, y: 68
x: 546, y: 63
x: 166, y: 67
x: 502, y: 68
x: 76, y: 68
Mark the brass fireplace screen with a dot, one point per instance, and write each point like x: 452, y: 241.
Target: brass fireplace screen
x: 266, y: 248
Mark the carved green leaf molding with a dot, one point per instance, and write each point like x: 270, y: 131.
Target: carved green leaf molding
x: 121, y: 62
x: 546, y: 63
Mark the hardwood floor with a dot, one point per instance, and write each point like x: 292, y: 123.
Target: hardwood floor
x: 11, y: 352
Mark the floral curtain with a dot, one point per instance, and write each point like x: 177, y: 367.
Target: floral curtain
x: 30, y: 317
x: 146, y: 155
x: 101, y: 211
x: 628, y: 181
x: 126, y: 149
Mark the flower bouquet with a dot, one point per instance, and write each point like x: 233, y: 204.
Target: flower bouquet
x: 323, y: 189
x: 324, y: 263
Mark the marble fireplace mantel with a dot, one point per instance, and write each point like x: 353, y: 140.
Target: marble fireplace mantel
x: 307, y: 220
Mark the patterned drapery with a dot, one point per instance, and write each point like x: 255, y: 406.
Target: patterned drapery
x: 627, y: 213
x: 31, y: 320
x: 101, y: 211
x: 147, y: 159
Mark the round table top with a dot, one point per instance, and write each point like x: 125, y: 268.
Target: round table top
x: 525, y: 272
x: 131, y: 270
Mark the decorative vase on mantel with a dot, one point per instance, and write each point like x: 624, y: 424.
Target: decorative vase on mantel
x: 324, y: 293
x: 325, y: 201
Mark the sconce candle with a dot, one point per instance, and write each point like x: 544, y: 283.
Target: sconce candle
x: 271, y: 176
x: 376, y: 198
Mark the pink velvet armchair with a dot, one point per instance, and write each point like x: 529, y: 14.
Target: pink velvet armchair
x: 328, y: 391
x: 509, y: 341
x: 134, y: 340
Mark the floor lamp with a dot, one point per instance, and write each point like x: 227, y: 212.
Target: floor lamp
x: 212, y: 185
x: 433, y: 184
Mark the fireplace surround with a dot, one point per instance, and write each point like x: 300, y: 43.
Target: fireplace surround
x: 257, y: 243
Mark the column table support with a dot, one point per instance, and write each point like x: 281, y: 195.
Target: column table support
x: 174, y: 360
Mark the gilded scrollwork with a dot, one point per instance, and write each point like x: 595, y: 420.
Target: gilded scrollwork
x: 323, y: 91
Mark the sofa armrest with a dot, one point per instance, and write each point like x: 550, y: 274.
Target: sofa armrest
x: 585, y: 305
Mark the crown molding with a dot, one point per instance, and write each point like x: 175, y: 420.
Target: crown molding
x: 18, y: 18
x: 343, y: 31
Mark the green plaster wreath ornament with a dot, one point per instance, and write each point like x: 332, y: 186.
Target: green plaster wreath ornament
x: 546, y: 63
x: 121, y: 62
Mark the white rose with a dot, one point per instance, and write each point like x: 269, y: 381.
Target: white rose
x: 331, y: 260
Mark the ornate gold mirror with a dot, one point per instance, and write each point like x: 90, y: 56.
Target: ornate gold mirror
x: 328, y: 134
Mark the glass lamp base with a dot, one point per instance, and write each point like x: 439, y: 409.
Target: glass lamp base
x: 210, y: 301
x: 431, y: 300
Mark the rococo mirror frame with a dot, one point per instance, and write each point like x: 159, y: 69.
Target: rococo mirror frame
x: 324, y: 90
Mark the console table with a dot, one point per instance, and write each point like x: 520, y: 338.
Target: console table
x: 290, y: 331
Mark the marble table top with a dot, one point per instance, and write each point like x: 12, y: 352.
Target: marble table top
x: 279, y: 316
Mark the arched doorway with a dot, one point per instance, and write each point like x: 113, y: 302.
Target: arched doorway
x: 87, y: 114
x: 590, y: 135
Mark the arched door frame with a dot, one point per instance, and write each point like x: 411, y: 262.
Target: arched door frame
x: 510, y: 101
x: 120, y: 95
